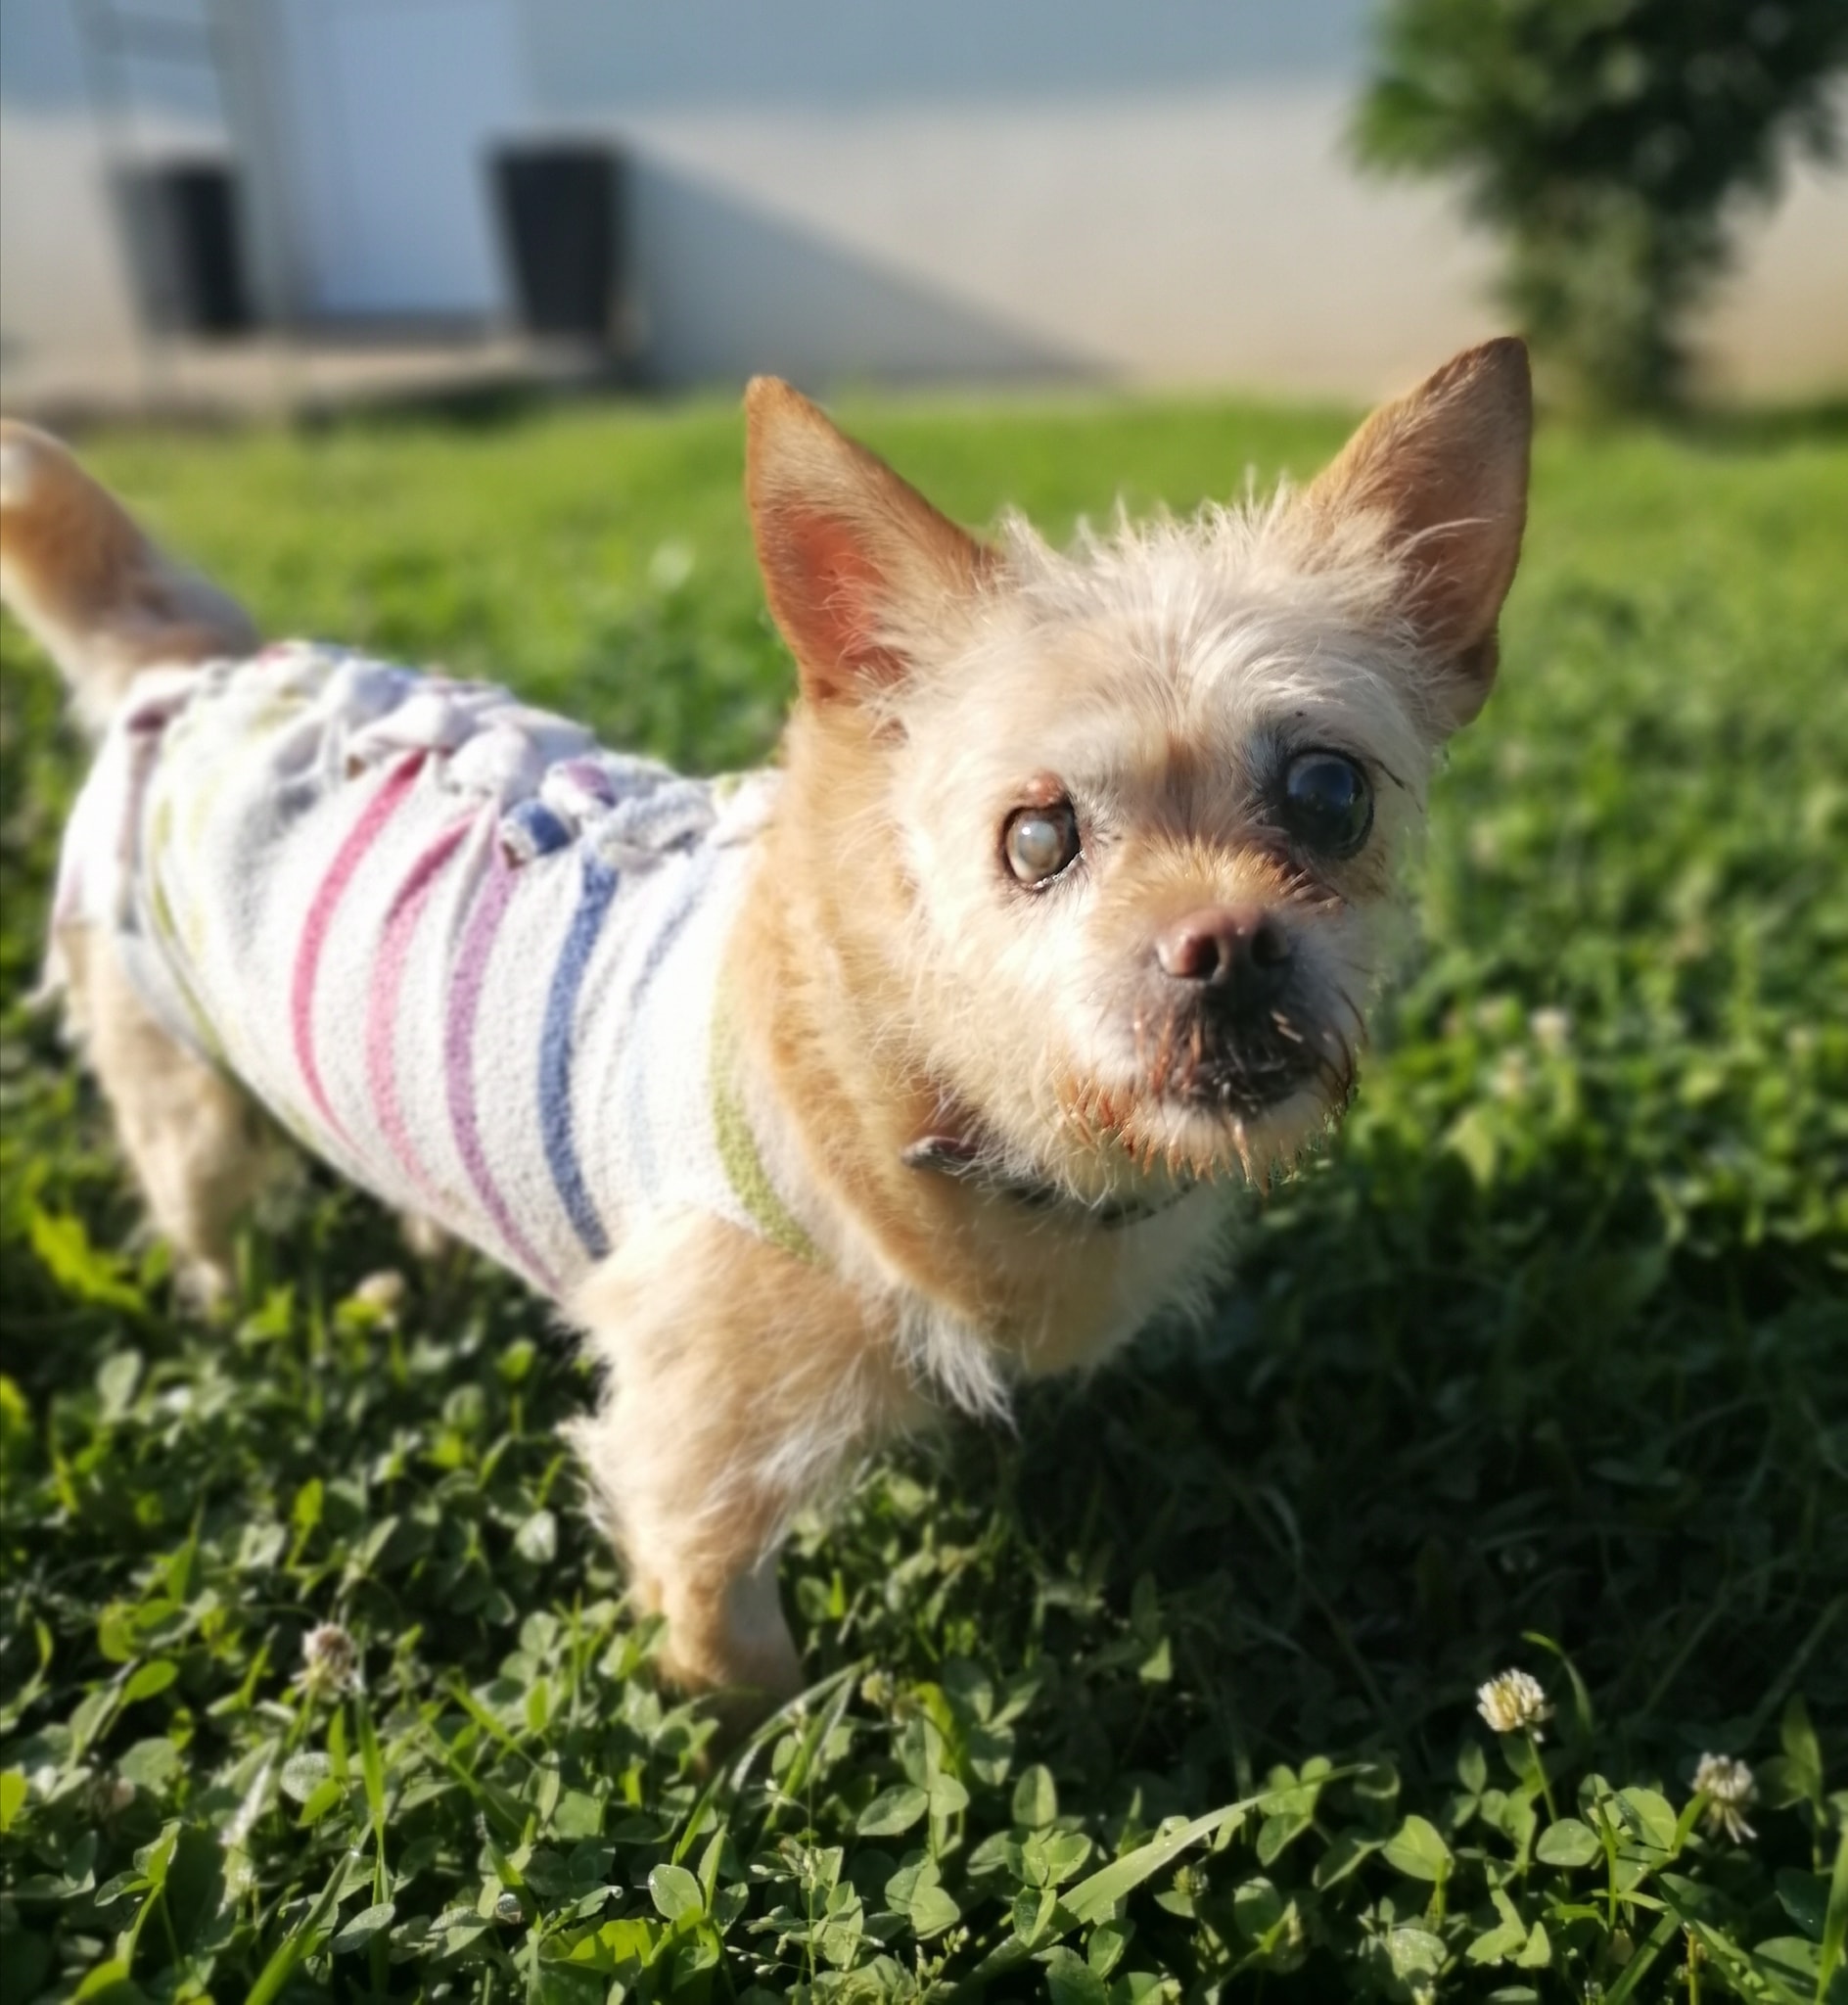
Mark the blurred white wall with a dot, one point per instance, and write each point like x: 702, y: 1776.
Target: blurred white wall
x: 1202, y: 236
x: 385, y: 111
x: 846, y: 189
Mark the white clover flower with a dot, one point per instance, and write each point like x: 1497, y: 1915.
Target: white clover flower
x: 1498, y: 1015
x: 1513, y: 1702
x: 1511, y: 1078
x: 507, y: 1910
x: 671, y: 566
x: 1551, y: 1029
x: 329, y: 1661
x: 382, y: 1292
x: 1729, y: 1787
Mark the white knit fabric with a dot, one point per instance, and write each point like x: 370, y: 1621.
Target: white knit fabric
x: 454, y: 946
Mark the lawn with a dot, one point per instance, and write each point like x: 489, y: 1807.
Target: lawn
x: 1170, y: 1690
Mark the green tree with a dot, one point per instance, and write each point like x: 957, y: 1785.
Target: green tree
x: 1607, y: 142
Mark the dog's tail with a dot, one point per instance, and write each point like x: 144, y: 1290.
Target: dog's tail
x: 87, y: 582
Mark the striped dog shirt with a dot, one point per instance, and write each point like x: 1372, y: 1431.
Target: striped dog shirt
x: 455, y: 948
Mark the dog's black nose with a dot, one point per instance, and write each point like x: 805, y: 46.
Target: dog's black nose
x: 1243, y: 948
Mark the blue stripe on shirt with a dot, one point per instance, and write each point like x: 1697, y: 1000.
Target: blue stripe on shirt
x: 555, y: 1056
x: 665, y: 930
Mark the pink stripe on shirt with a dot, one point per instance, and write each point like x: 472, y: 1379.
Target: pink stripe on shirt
x: 467, y: 977
x: 382, y: 1009
x: 321, y: 909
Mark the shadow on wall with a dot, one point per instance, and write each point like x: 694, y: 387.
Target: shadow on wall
x: 589, y: 57
x: 702, y: 263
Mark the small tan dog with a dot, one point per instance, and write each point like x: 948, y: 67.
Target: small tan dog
x: 824, y: 1100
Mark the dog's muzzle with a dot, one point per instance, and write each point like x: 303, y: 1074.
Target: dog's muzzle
x: 1227, y: 1027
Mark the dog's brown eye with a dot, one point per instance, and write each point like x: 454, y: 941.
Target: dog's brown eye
x: 1040, y: 842
x: 1328, y: 803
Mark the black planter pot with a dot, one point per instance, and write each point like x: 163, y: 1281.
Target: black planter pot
x: 561, y: 219
x: 183, y: 239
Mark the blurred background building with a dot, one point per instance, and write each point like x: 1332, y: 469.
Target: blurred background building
x: 834, y: 190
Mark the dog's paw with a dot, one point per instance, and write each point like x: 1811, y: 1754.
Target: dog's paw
x: 204, y: 1288
x: 424, y: 1236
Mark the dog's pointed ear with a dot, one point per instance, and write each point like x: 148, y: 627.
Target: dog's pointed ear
x: 853, y: 557
x: 1444, y: 473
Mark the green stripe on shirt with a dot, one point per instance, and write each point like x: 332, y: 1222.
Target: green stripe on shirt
x: 738, y: 1152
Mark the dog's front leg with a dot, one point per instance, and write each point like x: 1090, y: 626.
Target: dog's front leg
x: 739, y: 1384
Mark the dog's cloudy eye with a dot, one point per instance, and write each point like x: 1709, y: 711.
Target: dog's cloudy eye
x: 1040, y: 842
x: 1328, y: 806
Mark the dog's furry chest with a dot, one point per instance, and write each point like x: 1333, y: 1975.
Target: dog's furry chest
x: 457, y: 949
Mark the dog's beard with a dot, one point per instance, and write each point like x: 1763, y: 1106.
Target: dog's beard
x: 1209, y: 1094
x: 1247, y: 1068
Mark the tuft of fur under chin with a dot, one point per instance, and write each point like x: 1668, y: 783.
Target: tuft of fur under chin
x: 1154, y: 1143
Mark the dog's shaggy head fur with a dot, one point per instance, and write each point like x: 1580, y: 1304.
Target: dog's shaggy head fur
x: 1187, y: 993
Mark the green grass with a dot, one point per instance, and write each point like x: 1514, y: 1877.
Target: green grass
x: 1545, y: 1363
